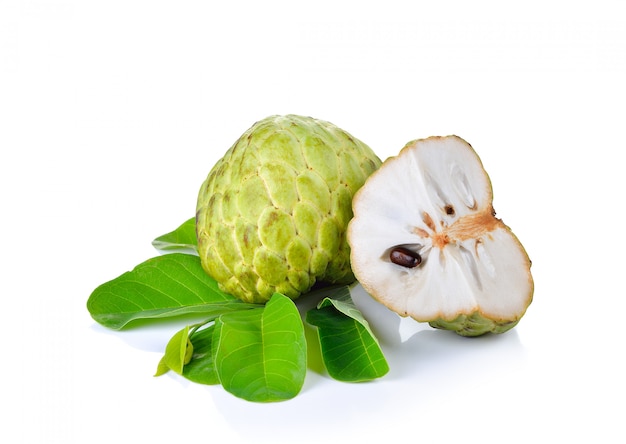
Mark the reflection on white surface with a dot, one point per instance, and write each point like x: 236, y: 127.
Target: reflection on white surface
x: 429, y: 370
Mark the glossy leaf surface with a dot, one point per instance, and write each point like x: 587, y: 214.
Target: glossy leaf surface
x: 350, y: 350
x: 181, y: 240
x: 161, y: 287
x: 201, y: 368
x: 260, y: 354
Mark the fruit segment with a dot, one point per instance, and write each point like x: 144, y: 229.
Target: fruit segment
x: 425, y: 241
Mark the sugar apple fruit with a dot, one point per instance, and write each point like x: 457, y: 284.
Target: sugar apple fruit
x: 273, y: 212
x: 426, y: 243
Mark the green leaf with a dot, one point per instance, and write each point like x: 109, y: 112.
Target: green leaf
x: 201, y: 368
x: 161, y: 287
x: 260, y: 354
x: 177, y: 353
x: 349, y: 348
x: 182, y: 240
x: 340, y: 299
x: 162, y: 367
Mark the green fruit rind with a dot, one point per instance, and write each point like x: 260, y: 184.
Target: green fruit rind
x: 474, y: 324
x: 273, y: 212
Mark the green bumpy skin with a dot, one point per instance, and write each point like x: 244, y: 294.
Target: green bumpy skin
x: 474, y: 324
x: 273, y: 212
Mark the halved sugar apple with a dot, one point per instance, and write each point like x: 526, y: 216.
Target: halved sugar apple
x: 273, y: 212
x: 425, y: 241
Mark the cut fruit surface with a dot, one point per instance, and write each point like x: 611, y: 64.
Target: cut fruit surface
x: 425, y: 241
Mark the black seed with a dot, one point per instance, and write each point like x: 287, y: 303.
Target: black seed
x: 449, y: 210
x: 405, y: 257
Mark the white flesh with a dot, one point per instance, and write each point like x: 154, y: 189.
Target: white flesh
x: 436, y: 198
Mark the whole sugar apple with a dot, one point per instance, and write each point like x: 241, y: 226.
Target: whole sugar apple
x: 272, y: 214
x: 426, y: 243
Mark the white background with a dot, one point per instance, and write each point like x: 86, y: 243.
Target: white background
x: 113, y: 112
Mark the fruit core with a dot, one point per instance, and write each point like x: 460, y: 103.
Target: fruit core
x: 470, y: 226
